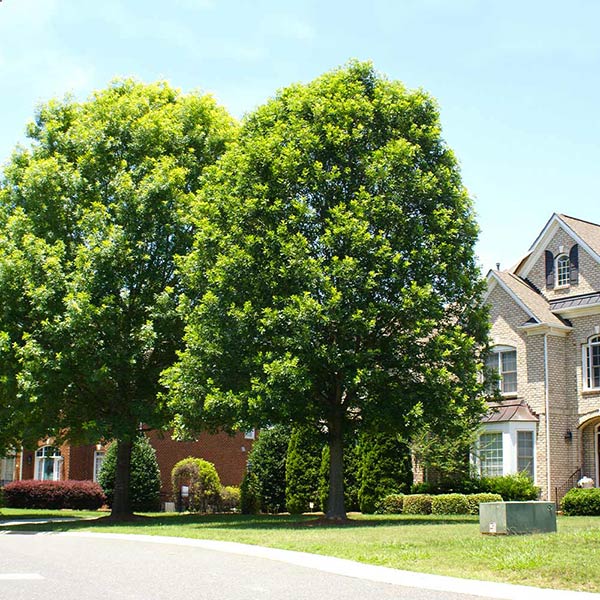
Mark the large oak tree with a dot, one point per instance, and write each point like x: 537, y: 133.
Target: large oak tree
x: 92, y: 215
x: 333, y: 279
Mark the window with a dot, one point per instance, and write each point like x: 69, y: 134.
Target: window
x: 591, y: 361
x: 250, y: 435
x: 563, y: 271
x: 525, y: 452
x: 7, y: 469
x: 98, y: 460
x: 503, y: 362
x: 47, y: 463
x: 490, y: 454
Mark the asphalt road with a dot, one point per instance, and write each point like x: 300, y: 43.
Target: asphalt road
x: 48, y: 566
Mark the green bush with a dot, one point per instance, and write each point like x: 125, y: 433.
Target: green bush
x: 450, y: 504
x: 582, y: 502
x: 144, y: 486
x: 303, y: 464
x: 385, y: 468
x: 514, y: 487
x: 391, y: 504
x: 230, y: 498
x: 417, y: 504
x: 474, y: 500
x: 267, y: 460
x: 202, y: 479
x: 249, y: 495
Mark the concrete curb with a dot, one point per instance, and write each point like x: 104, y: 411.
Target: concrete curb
x: 348, y: 568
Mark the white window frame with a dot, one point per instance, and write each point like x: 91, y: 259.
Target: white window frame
x: 497, y: 352
x: 509, y: 431
x: 518, y: 431
x: 588, y: 367
x: 8, y: 465
x: 97, y: 454
x: 41, y: 458
x: 479, y: 452
x: 562, y: 268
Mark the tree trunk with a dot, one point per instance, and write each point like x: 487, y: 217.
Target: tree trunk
x: 336, y: 509
x: 121, y: 507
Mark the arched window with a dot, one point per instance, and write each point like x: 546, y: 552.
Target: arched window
x: 502, y: 361
x: 591, y: 363
x: 47, y: 463
x: 563, y: 270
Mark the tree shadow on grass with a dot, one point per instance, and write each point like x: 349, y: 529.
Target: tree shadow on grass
x: 236, y: 521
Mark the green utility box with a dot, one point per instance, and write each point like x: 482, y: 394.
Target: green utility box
x: 507, y: 518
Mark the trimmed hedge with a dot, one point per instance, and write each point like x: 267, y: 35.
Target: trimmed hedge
x: 582, y: 502
x: 78, y: 495
x: 417, y: 504
x: 474, y: 500
x: 513, y: 487
x: 391, y: 504
x: 202, y: 480
x: 450, y: 504
x: 230, y: 498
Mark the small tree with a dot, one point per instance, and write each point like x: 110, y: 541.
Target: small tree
x: 385, y: 468
x: 145, y: 475
x: 202, y: 480
x: 268, y: 463
x: 249, y: 494
x: 302, y: 470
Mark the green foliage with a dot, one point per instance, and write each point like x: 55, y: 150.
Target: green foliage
x: 333, y: 271
x: 302, y: 469
x: 230, y: 498
x: 267, y: 460
x: 385, y: 469
x: 249, y: 494
x: 391, y: 504
x: 145, y: 475
x: 202, y: 480
x: 92, y: 216
x: 417, y: 504
x: 450, y: 504
x: 517, y: 486
x: 583, y: 502
x: 474, y: 500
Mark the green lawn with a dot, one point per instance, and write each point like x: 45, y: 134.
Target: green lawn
x: 569, y: 559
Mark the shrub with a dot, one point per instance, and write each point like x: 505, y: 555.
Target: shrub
x: 78, y: 495
x: 517, y: 486
x: 391, y: 504
x: 450, y: 504
x: 417, y: 504
x: 385, y: 468
x: 303, y: 462
x: 230, y: 498
x: 202, y: 480
x: 267, y: 460
x: 249, y: 495
x: 144, y: 485
x: 474, y: 500
x: 582, y: 502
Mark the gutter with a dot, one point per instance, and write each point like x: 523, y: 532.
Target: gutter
x: 547, y: 403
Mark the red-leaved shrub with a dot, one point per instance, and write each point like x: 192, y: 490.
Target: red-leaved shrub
x: 79, y: 495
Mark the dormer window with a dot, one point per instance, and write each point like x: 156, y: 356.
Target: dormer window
x: 563, y: 271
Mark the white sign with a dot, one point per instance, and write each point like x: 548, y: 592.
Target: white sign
x: 185, y: 491
x: 492, y: 527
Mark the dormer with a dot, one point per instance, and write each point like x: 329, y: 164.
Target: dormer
x: 562, y: 270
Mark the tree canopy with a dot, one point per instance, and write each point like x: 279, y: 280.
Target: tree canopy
x: 92, y: 215
x: 332, y: 279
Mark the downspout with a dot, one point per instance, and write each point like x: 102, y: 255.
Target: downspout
x: 21, y: 464
x: 547, y: 402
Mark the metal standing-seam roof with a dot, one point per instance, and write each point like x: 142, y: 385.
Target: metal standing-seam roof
x: 509, y: 410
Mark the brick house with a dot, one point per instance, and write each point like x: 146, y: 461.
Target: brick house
x: 545, y: 316
x: 228, y: 453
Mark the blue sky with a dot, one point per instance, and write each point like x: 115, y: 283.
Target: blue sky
x: 518, y: 82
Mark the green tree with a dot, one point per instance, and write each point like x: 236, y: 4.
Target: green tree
x: 385, y: 468
x: 145, y: 475
x: 303, y: 463
x: 334, y: 278
x: 93, y: 214
x: 267, y: 461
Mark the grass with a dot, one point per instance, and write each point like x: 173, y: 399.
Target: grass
x: 569, y: 559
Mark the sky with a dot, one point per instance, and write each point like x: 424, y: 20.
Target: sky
x: 517, y: 82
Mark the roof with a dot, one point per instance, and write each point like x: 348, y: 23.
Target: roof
x: 531, y: 300
x: 587, y: 231
x: 509, y: 410
x: 573, y: 301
